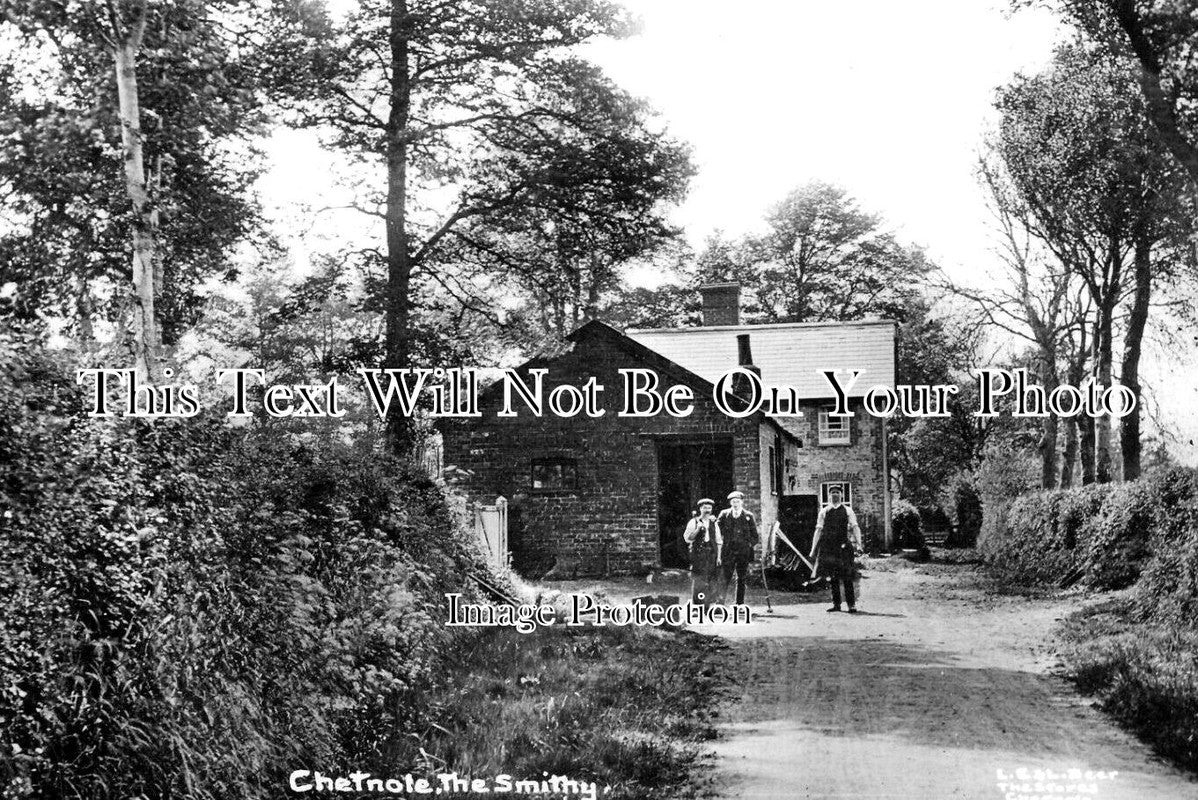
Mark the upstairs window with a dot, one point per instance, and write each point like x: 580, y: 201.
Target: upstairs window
x: 554, y: 474
x: 833, y: 430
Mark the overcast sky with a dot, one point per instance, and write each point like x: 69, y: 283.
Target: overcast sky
x: 888, y: 99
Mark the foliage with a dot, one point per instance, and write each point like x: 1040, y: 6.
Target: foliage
x: 822, y: 258
x: 1112, y: 536
x: 906, y: 525
x: 201, y: 99
x: 498, y: 157
x: 190, y: 609
x: 962, y: 505
x: 1003, y: 474
x: 1167, y: 591
x: 1160, y: 36
x: 623, y: 707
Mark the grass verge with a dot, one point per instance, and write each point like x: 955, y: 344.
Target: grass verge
x: 628, y: 709
x: 1145, y: 676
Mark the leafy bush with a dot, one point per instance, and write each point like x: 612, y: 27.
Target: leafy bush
x: 1004, y: 474
x: 1108, y: 534
x: 906, y: 525
x: 1117, y: 536
x: 1168, y: 587
x: 960, y: 501
x: 189, y: 609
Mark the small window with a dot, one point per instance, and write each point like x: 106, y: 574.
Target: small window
x: 833, y: 430
x: 554, y: 474
x: 845, y: 487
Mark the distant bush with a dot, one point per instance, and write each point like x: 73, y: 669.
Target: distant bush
x: 1004, y: 474
x: 906, y: 525
x: 192, y: 610
x: 962, y: 505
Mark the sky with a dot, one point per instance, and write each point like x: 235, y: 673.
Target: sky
x: 890, y: 100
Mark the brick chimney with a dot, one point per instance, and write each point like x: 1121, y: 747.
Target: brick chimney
x: 744, y: 358
x: 721, y: 303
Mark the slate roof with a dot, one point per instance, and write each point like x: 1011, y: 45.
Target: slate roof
x: 789, y: 354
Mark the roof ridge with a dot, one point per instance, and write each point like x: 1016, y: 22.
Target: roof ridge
x: 766, y: 326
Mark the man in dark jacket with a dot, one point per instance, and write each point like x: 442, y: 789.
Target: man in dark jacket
x: 836, y: 544
x: 739, y: 529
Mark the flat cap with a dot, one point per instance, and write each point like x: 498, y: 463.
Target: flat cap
x: 736, y: 494
x: 706, y: 501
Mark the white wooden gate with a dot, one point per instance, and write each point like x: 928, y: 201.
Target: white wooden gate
x: 490, y: 525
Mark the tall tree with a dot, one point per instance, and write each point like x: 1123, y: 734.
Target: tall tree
x: 825, y: 258
x: 822, y: 258
x: 1077, y: 146
x: 1029, y: 301
x: 1161, y: 37
x: 119, y: 174
x: 472, y: 110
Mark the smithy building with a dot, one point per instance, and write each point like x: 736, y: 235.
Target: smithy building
x: 613, y: 493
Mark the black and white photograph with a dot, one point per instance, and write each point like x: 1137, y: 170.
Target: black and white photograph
x: 581, y: 399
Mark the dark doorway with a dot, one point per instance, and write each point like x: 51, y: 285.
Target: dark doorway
x: 797, y: 514
x: 686, y: 472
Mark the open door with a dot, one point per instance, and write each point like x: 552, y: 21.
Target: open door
x: 686, y: 472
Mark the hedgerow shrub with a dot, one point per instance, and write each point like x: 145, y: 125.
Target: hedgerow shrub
x: 1117, y: 536
x: 1108, y: 534
x: 1168, y: 587
x: 193, y: 610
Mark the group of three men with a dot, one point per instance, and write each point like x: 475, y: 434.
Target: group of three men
x: 723, y: 546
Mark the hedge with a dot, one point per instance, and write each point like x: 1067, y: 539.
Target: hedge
x: 192, y: 610
x: 1107, y: 535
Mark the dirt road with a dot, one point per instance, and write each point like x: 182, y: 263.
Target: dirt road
x: 935, y: 691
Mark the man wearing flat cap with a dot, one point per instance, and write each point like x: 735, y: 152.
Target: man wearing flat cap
x: 836, y: 543
x: 739, y: 527
x: 703, y: 537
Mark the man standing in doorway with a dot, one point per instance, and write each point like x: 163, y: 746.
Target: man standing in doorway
x: 739, y: 527
x: 836, y: 543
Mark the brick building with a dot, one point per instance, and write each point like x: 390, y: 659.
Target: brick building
x: 614, y: 493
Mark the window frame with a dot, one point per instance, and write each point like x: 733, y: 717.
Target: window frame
x: 824, y: 430
x: 568, y: 466
x: 846, y: 488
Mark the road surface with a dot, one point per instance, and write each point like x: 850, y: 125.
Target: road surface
x: 937, y: 690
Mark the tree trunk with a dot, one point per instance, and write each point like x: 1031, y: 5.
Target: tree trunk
x: 143, y: 329
x: 1069, y: 454
x: 397, y: 344
x: 1085, y: 435
x: 1077, y: 368
x: 1129, y: 427
x: 1048, y: 443
x: 1102, y: 424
